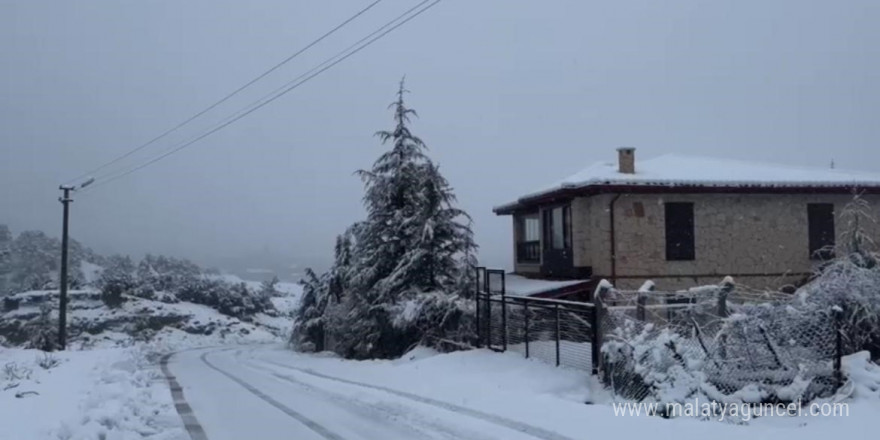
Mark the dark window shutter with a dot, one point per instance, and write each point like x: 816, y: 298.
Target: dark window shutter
x: 820, y: 217
x: 680, y: 231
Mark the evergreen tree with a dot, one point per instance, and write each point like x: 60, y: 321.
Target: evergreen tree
x: 433, y: 260
x: 399, y: 276
x: 392, y: 191
x: 5, y: 259
x: 340, y: 272
x: 267, y: 287
x: 308, y: 328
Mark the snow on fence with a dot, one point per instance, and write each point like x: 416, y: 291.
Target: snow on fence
x: 722, y: 342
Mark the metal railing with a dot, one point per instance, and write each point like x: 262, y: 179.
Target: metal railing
x: 528, y: 251
x: 555, y: 331
x: 692, y: 329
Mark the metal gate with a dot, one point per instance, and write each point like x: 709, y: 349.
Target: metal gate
x: 491, y: 313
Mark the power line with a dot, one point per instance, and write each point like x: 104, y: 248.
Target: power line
x: 327, y: 61
x: 230, y: 95
x: 254, y: 107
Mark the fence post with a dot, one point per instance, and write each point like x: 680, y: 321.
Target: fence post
x: 598, y: 318
x: 838, y: 355
x: 642, y: 299
x: 594, y: 349
x: 488, y: 309
x: 477, y: 308
x: 558, y: 331
x: 726, y: 288
x: 526, y: 311
x: 640, y: 305
x: 504, y: 319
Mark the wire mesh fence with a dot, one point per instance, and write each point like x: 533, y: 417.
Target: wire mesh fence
x: 721, y: 341
x: 716, y: 342
x: 556, y: 332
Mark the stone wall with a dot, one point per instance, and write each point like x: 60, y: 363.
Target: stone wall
x: 760, y: 239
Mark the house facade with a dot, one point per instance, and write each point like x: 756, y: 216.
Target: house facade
x: 683, y: 221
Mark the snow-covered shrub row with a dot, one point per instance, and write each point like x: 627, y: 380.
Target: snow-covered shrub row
x: 29, y: 262
x: 401, y: 276
x: 172, y: 280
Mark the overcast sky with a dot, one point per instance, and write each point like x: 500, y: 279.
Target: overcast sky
x: 512, y: 95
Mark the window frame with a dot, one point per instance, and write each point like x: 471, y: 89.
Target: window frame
x: 549, y: 233
x: 820, y: 243
x: 679, y: 233
x: 524, y: 255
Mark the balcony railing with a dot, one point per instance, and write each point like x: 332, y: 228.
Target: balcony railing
x: 528, y: 252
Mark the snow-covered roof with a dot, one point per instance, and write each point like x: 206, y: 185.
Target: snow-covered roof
x: 517, y: 285
x: 696, y: 171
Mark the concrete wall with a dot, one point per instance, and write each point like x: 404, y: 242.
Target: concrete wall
x: 756, y: 238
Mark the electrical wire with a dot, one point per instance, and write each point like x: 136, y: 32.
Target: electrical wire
x: 228, y: 96
x: 331, y: 62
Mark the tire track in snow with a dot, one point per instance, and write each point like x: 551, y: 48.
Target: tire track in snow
x: 533, y: 431
x: 413, y: 421
x: 309, y: 423
x: 192, y: 425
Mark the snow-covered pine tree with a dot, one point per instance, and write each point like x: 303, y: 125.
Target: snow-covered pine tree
x: 308, y: 327
x: 340, y: 273
x: 400, y: 278
x: 433, y: 258
x: 392, y: 193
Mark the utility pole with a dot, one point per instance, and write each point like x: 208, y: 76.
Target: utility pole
x: 62, y: 306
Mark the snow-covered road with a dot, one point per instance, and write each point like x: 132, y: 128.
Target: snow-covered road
x: 246, y: 392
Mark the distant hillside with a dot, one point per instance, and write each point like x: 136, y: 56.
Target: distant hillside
x: 114, y: 298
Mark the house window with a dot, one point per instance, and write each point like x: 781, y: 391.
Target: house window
x: 820, y: 217
x: 559, y: 227
x: 528, y: 239
x: 680, y: 231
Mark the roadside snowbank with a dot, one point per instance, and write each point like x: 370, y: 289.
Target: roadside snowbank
x: 109, y: 394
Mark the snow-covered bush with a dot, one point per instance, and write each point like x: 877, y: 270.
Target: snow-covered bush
x: 33, y: 263
x: 227, y: 298
x: 268, y: 289
x: 438, y: 319
x: 851, y: 281
x: 43, y: 331
x: 771, y: 352
x: 47, y: 361
x: 167, y: 273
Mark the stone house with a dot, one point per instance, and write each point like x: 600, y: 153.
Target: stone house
x: 683, y: 221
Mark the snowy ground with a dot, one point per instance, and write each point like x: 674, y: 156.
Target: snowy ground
x: 474, y: 395
x: 96, y: 394
x: 268, y: 392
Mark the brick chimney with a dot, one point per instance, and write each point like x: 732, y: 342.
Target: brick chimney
x: 626, y: 158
